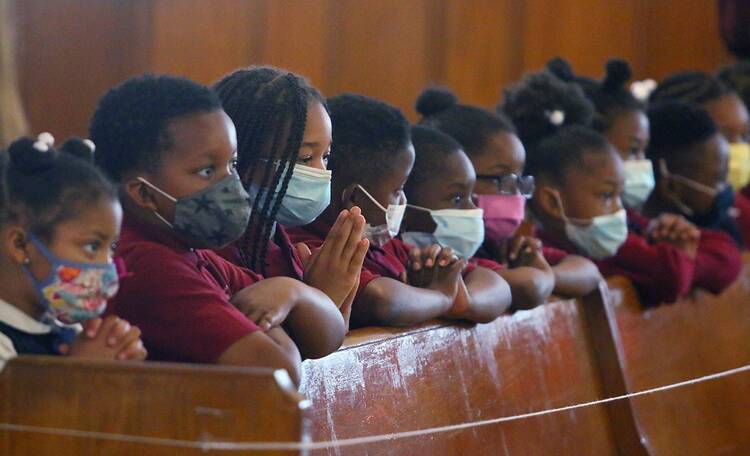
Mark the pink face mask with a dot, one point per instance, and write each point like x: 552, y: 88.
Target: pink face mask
x: 503, y: 214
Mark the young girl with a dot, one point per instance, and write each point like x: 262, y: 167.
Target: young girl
x: 171, y: 148
x: 577, y: 203
x: 371, y: 161
x: 491, y: 143
x: 288, y: 150
x: 59, y: 218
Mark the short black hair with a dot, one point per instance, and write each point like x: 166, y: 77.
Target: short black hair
x: 675, y: 127
x: 690, y: 86
x: 557, y: 153
x: 367, y: 135
x: 737, y: 76
x: 544, y: 102
x: 129, y: 124
x: 269, y: 109
x: 471, y: 126
x: 40, y: 188
x: 431, y: 147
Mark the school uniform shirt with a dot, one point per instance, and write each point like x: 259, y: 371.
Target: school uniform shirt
x: 21, y: 334
x: 742, y: 206
x: 179, y: 297
x: 390, y: 260
x: 282, y: 259
x: 660, y: 272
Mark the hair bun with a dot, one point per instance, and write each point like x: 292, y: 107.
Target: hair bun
x: 79, y: 148
x: 618, y: 73
x: 435, y: 100
x: 561, y: 68
x: 30, y: 156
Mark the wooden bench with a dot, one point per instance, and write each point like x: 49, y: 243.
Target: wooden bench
x: 387, y: 380
x: 164, y: 401
x: 696, y: 336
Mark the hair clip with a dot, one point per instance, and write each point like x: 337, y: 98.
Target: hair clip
x: 556, y: 117
x: 46, y: 138
x: 41, y: 146
x: 90, y: 144
x: 641, y: 90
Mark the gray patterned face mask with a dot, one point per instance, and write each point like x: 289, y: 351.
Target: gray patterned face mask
x: 213, y: 217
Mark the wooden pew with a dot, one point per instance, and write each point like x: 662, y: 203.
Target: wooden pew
x: 167, y: 401
x: 391, y: 380
x: 697, y: 336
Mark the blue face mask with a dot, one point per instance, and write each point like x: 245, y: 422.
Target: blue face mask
x: 639, y: 182
x: 307, y: 196
x: 601, y: 237
x: 460, y: 229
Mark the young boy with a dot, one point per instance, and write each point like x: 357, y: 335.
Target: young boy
x: 172, y: 149
x: 691, y: 161
x: 577, y: 202
x: 372, y: 156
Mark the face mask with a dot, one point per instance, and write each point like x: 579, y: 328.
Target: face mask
x: 739, y: 165
x: 601, y: 237
x: 639, y: 182
x: 380, y: 235
x: 503, y: 214
x: 74, y: 292
x: 720, y: 210
x: 697, y: 186
x: 460, y: 229
x: 307, y: 195
x: 212, y: 217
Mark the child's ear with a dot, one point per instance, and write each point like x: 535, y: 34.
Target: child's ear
x: 15, y: 242
x: 140, y: 194
x: 350, y: 197
x: 548, y: 200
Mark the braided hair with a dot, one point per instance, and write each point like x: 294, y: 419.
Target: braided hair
x: 471, y: 126
x: 737, y: 77
x: 41, y: 187
x: 690, y: 86
x: 269, y: 109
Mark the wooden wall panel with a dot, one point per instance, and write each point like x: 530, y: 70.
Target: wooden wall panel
x: 71, y: 51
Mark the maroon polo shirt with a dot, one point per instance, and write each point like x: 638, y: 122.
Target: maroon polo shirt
x: 282, y: 259
x: 178, y: 296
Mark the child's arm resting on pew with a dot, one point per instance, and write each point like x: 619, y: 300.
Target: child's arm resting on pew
x: 575, y: 276
x: 273, y: 348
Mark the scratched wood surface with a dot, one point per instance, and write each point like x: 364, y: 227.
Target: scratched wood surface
x: 168, y: 401
x: 389, y: 380
x: 697, y: 336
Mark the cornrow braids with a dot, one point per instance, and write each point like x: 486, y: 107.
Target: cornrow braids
x: 690, y: 86
x: 737, y: 76
x: 269, y: 109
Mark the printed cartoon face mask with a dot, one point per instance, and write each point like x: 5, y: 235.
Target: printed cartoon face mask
x: 74, y: 292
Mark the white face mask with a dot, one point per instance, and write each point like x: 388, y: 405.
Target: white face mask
x: 639, y: 182
x: 460, y: 229
x: 379, y: 235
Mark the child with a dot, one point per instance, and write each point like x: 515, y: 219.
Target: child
x: 171, y: 148
x: 289, y: 151
x: 490, y: 142
x: 58, y: 218
x: 692, y: 163
x: 577, y: 202
x: 622, y: 119
x: 371, y: 160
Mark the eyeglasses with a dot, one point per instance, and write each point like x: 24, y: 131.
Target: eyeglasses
x: 511, y: 184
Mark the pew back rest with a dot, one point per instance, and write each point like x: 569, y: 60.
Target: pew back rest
x: 160, y: 400
x: 696, y: 336
x: 390, y: 380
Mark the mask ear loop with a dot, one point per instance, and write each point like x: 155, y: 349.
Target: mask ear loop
x: 675, y: 199
x: 380, y: 206
x: 165, y: 194
x: 566, y: 219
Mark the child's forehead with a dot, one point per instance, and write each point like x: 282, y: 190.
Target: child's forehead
x: 595, y: 166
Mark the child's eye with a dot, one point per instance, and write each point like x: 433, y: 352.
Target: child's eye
x: 207, y: 172
x: 457, y: 200
x: 306, y: 159
x: 233, y: 164
x: 326, y: 157
x: 92, y: 247
x: 608, y: 195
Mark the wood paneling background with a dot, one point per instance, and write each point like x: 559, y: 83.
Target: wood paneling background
x: 71, y: 51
